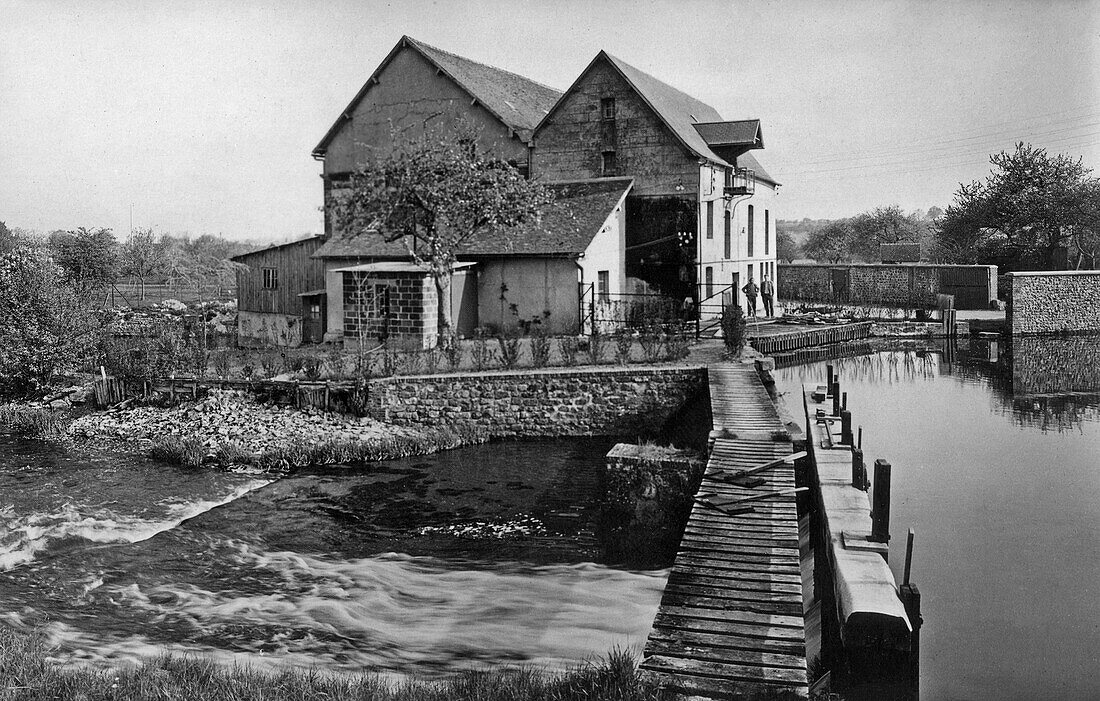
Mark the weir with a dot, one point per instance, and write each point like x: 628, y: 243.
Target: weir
x: 731, y: 621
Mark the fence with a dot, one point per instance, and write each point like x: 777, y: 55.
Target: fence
x: 607, y: 313
x: 324, y: 395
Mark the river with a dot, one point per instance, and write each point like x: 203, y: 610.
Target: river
x: 418, y: 567
x: 996, y: 466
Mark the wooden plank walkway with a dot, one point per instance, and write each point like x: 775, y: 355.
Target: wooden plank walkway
x: 731, y: 622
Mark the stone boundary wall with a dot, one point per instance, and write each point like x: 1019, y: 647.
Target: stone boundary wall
x: 898, y: 285
x: 1054, y: 301
x: 549, y: 402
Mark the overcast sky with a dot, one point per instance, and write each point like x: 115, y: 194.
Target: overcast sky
x: 202, y: 115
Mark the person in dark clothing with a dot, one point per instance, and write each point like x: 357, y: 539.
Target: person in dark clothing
x: 767, y: 292
x: 751, y: 290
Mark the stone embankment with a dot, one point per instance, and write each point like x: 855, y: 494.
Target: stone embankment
x: 228, y: 417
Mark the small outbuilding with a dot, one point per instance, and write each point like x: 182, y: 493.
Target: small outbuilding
x: 280, y: 295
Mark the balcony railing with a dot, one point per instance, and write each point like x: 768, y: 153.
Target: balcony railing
x: 740, y: 181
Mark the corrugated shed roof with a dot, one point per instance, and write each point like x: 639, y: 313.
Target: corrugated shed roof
x: 516, y: 101
x: 747, y: 160
x: 520, y: 102
x: 736, y: 133
x: 566, y: 227
x: 678, y: 110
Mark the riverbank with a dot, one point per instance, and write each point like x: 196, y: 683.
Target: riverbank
x: 28, y: 672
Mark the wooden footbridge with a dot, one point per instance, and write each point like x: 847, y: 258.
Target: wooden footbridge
x: 731, y: 621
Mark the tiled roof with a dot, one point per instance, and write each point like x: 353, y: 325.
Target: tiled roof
x: 747, y: 160
x: 566, y: 227
x: 678, y: 110
x: 741, y: 132
x: 311, y: 239
x: 518, y: 102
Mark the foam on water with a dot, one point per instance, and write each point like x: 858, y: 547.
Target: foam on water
x: 390, y: 613
x: 23, y: 537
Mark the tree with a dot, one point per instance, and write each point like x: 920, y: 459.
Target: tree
x: 1032, y: 211
x: 46, y: 326
x: 433, y: 194
x: 878, y: 226
x: 786, y: 248
x: 832, y: 243
x: 89, y: 257
x: 143, y: 257
x: 7, y: 238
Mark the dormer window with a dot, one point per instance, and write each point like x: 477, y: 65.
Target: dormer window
x: 607, y: 108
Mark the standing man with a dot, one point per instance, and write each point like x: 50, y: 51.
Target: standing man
x: 751, y: 290
x: 767, y: 289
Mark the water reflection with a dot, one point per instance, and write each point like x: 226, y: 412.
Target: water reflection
x: 1049, y: 383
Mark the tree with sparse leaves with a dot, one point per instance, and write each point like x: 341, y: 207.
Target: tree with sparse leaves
x: 142, y: 257
x: 89, y: 257
x: 1033, y: 211
x: 831, y: 243
x: 434, y: 194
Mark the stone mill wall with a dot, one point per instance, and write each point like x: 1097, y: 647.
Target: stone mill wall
x: 1054, y: 301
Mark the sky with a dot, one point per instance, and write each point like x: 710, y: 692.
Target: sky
x: 199, y: 116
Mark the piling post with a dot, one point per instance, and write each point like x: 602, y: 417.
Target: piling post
x: 836, y: 398
x: 859, y: 471
x: 846, y: 427
x: 829, y: 375
x: 880, y: 503
x: 910, y: 599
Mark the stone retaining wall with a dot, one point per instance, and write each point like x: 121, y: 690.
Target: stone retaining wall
x: 897, y: 285
x: 549, y: 402
x: 1054, y: 301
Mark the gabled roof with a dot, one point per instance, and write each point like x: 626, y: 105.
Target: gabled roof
x: 747, y: 160
x: 742, y: 132
x: 678, y: 110
x: 310, y: 239
x: 518, y: 102
x: 361, y: 244
x: 566, y: 227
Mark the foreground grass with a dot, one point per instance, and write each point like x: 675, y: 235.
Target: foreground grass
x: 34, y: 422
x: 25, y: 674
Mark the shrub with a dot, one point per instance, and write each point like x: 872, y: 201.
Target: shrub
x: 624, y: 341
x: 270, y: 361
x: 452, y: 353
x: 509, y: 349
x: 733, y: 328
x: 221, y: 364
x: 231, y: 453
x: 312, y: 366
x: 651, y: 341
x: 569, y: 347
x: 540, y: 347
x: 678, y: 345
x: 595, y: 347
x: 481, y: 353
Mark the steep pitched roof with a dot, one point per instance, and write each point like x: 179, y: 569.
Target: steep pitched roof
x: 566, y: 227
x: 742, y: 132
x: 518, y: 102
x: 678, y: 110
x: 747, y: 160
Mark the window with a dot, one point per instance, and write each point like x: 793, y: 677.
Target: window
x: 750, y: 273
x: 710, y: 219
x: 767, y: 244
x: 271, y: 278
x: 607, y: 163
x: 603, y: 285
x: 607, y: 108
x: 710, y: 282
x: 750, y: 231
x: 729, y: 236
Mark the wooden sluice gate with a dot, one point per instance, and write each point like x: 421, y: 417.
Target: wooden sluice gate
x: 870, y: 625
x: 731, y: 621
x: 794, y: 340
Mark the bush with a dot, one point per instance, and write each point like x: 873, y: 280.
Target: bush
x: 595, y: 347
x: 678, y: 345
x: 509, y: 349
x: 624, y: 341
x: 481, y: 354
x: 651, y: 341
x: 733, y: 328
x: 569, y: 347
x: 36, y: 422
x: 540, y: 347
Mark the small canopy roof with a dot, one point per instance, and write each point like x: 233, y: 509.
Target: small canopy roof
x: 394, y: 266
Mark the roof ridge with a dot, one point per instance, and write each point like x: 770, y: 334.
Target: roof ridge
x: 425, y: 45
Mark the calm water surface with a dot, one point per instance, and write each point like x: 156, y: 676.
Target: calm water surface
x: 996, y: 466
x: 420, y: 567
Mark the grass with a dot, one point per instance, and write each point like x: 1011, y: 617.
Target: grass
x: 25, y: 674
x: 36, y: 422
x: 178, y: 451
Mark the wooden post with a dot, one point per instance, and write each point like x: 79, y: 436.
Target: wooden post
x: 880, y: 503
x: 910, y: 599
x: 836, y: 398
x: 860, y: 443
x: 858, y: 469
x: 843, y: 401
x: 846, y: 427
x: 326, y: 395
x: 829, y: 376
